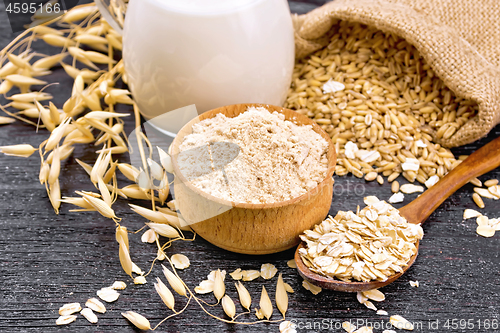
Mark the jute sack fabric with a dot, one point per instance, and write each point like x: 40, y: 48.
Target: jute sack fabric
x: 459, y: 39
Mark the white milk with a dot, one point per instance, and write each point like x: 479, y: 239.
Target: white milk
x: 209, y: 53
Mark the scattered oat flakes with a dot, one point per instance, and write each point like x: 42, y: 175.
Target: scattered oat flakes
x: 374, y: 294
x: 370, y: 305
x: 411, y: 164
x: 287, y: 327
x: 149, y: 236
x: 396, y: 198
x: 389, y: 331
x: 371, y: 245
x: 382, y: 313
x: 401, y: 323
x: 268, y: 271
x: 332, y: 87
x: 96, y: 305
x: 250, y: 275
x: 351, y: 149
x: 495, y: 190
x: 108, y: 294
x: 410, y: 188
x: 485, y: 230
x: 65, y: 320
x: 211, y: 276
x: 119, y: 285
x: 205, y: 287
x: 70, y: 308
x: 89, y: 315
x: 360, y: 297
x: 237, y: 274
x: 291, y: 263
x: 470, y: 213
x: 348, y: 326
x: 311, y: 287
x: 140, y: 280
x: 482, y: 220
x: 431, y: 181
x: 180, y: 261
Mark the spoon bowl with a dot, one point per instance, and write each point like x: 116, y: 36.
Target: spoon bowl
x: 481, y: 161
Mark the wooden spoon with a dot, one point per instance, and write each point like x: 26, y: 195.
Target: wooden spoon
x: 481, y: 161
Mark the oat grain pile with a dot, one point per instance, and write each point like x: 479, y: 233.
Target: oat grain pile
x: 381, y: 104
x: 278, y: 160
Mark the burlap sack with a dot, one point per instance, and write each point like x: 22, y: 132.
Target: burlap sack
x: 460, y: 39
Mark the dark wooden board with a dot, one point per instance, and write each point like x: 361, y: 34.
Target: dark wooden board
x: 47, y: 260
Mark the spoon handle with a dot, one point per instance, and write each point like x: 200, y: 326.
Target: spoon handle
x: 481, y: 161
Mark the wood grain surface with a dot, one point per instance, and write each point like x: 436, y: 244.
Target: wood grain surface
x: 47, y: 260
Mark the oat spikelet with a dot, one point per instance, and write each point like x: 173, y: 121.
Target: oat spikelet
x: 105, y: 195
x: 244, y: 295
x: 266, y: 307
x: 44, y: 173
x: 22, y: 150
x: 166, y: 160
x: 99, y: 205
x: 49, y: 62
x: 125, y: 260
x: 165, y: 294
x: 128, y: 171
x: 164, y: 230
x: 174, y: 281
x: 154, y: 216
x: 228, y: 306
x: 281, y: 296
x: 55, y: 195
x: 137, y: 320
x: 122, y: 234
x: 156, y: 169
x: 20, y: 80
x: 57, y: 135
x: 55, y: 168
x: 85, y: 166
x: 6, y: 120
x: 219, y: 287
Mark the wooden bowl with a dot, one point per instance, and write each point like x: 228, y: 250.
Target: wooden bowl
x: 252, y: 228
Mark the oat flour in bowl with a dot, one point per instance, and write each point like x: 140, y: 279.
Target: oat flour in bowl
x: 276, y: 160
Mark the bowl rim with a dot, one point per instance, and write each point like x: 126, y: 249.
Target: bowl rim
x: 187, y: 129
